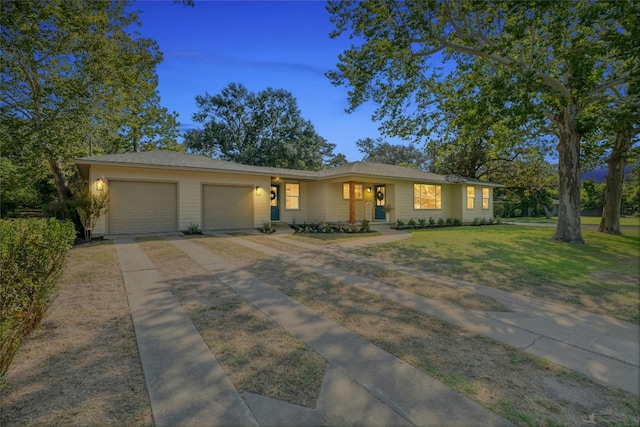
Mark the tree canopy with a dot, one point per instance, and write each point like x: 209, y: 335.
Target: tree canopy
x: 549, y: 61
x: 71, y: 73
x: 262, y: 128
x: 380, y: 151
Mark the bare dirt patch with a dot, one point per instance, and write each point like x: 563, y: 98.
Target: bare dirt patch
x: 258, y: 355
x: 524, y: 389
x: 81, y: 367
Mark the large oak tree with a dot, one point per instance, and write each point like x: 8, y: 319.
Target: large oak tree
x: 71, y: 72
x: 262, y: 128
x: 557, y: 55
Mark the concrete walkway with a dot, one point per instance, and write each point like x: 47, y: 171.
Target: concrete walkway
x: 363, y: 385
x: 600, y: 347
x: 186, y: 385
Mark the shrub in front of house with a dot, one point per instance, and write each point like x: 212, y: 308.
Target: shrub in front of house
x: 32, y: 259
x: 329, y: 227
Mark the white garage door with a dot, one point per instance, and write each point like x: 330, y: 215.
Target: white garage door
x: 142, y: 207
x: 226, y: 207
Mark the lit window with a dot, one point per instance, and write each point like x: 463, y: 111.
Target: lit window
x: 427, y: 196
x: 358, y: 191
x: 485, y: 198
x: 471, y: 196
x: 292, y: 198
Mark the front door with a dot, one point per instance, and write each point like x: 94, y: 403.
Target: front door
x: 275, y: 203
x: 381, y: 200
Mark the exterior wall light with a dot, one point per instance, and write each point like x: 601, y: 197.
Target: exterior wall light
x: 258, y: 190
x: 368, y: 189
x: 100, y: 184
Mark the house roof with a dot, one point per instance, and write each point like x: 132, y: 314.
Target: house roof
x: 161, y: 159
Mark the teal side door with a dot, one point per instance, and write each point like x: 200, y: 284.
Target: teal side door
x: 381, y: 199
x: 275, y: 203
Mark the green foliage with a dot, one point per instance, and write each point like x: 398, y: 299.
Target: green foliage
x: 95, y: 82
x: 90, y: 206
x: 32, y: 258
x: 440, y: 222
x: 422, y: 222
x: 380, y: 151
x: 267, y: 228
x: 261, y: 129
x: 193, y: 229
x: 591, y: 195
x: 329, y: 228
x: 399, y: 223
x: 411, y: 223
x: 541, y: 79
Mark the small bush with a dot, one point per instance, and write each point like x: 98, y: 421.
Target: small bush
x: 432, y: 222
x: 449, y: 222
x: 32, y: 258
x: 267, y: 228
x: 192, y: 229
x: 411, y: 223
x: 422, y: 222
x: 366, y: 226
x: 440, y: 222
x: 399, y: 223
x: 457, y: 222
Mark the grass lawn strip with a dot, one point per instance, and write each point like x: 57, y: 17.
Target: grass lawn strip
x: 520, y: 387
x: 81, y: 367
x: 258, y: 355
x: 602, y: 276
x: 418, y: 285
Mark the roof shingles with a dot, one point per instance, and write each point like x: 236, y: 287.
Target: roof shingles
x: 178, y: 160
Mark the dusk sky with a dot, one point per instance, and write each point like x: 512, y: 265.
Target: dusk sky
x: 278, y: 44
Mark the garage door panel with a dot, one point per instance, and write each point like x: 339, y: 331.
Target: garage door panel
x: 142, y: 207
x: 227, y: 207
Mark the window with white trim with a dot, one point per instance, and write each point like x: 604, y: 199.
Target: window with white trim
x: 427, y: 196
x: 471, y: 197
x: 292, y: 196
x: 358, y: 191
x: 485, y: 198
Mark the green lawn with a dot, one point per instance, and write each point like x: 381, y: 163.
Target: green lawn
x: 602, y: 275
x: 629, y: 221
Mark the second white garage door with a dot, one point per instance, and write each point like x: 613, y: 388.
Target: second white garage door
x: 227, y: 207
x: 142, y: 207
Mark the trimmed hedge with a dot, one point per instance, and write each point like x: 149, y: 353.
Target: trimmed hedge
x: 32, y: 259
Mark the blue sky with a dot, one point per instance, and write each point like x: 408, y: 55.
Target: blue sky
x: 278, y: 44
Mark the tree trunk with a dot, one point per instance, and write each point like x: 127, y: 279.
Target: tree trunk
x: 60, y: 179
x: 610, y: 222
x: 568, y: 228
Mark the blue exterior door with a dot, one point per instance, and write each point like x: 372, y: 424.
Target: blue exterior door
x: 381, y: 200
x: 275, y: 203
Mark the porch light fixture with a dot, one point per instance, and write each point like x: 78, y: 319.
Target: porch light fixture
x: 100, y: 184
x: 258, y: 190
x: 368, y: 189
